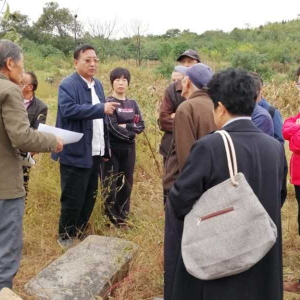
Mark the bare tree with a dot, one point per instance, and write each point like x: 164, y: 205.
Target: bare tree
x: 136, y: 30
x: 106, y: 29
x: 103, y: 32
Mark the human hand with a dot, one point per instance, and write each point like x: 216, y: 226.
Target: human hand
x: 172, y: 116
x: 122, y: 125
x: 59, y: 145
x: 109, y: 107
x: 298, y: 121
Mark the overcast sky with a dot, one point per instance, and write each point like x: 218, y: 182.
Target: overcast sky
x: 161, y: 15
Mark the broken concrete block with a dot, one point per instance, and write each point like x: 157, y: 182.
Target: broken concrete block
x: 84, y: 271
x: 7, y: 294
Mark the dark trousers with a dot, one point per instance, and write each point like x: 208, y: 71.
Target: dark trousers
x: 165, y: 192
x: 117, y: 180
x: 297, y: 192
x: 172, y: 248
x: 79, y: 187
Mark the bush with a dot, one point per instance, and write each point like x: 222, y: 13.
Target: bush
x: 165, y: 68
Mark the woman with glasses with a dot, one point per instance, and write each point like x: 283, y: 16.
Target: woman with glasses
x: 124, y: 124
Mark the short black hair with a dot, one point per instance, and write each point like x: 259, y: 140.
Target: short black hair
x: 258, y: 82
x: 298, y: 72
x: 257, y: 77
x: 81, y: 49
x: 34, y: 80
x: 235, y: 89
x: 118, y: 73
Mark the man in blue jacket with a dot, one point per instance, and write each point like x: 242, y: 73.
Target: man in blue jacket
x: 81, y: 108
x: 272, y: 111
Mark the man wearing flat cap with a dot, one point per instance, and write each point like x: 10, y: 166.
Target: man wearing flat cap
x: 194, y: 119
x: 171, y: 100
x: 189, y: 57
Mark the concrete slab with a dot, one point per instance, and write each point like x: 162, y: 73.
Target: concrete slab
x: 7, y: 294
x: 84, y: 271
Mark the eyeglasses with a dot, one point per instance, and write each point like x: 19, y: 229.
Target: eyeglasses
x: 22, y: 85
x: 88, y: 61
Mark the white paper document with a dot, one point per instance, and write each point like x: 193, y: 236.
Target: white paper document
x: 68, y: 137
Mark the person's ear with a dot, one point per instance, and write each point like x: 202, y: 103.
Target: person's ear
x: 10, y: 63
x: 222, y: 110
x: 188, y: 82
x: 75, y: 63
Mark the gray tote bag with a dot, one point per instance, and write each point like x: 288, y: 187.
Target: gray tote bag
x: 228, y: 230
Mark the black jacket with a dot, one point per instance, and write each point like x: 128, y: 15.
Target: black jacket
x: 127, y: 113
x: 262, y: 160
x: 170, y: 102
x: 37, y: 112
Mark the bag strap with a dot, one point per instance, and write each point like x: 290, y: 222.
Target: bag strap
x: 230, y: 151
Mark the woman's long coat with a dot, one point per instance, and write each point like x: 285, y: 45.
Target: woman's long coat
x: 261, y: 158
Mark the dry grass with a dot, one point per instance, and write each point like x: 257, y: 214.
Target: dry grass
x: 145, y: 279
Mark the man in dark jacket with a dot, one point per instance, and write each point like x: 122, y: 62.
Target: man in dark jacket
x: 260, y: 116
x: 81, y: 108
x: 261, y: 159
x: 170, y: 102
x: 37, y: 111
x: 272, y: 111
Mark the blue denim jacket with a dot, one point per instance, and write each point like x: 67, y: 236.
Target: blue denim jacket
x: 76, y: 113
x: 277, y: 120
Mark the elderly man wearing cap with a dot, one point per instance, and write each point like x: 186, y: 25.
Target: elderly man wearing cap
x: 176, y: 76
x: 194, y: 119
x: 171, y: 100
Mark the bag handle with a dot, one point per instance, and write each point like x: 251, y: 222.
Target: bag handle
x: 232, y: 165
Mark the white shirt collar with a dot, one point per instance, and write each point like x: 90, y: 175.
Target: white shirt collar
x: 27, y: 100
x: 90, y: 84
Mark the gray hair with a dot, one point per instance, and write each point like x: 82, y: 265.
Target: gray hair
x: 9, y: 49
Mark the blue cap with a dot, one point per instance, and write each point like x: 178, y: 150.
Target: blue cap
x: 199, y: 74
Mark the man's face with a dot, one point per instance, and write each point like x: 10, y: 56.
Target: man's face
x: 176, y: 76
x: 16, y: 70
x: 187, y: 61
x: 259, y: 95
x: 26, y: 84
x: 86, y: 64
x: 185, y: 87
